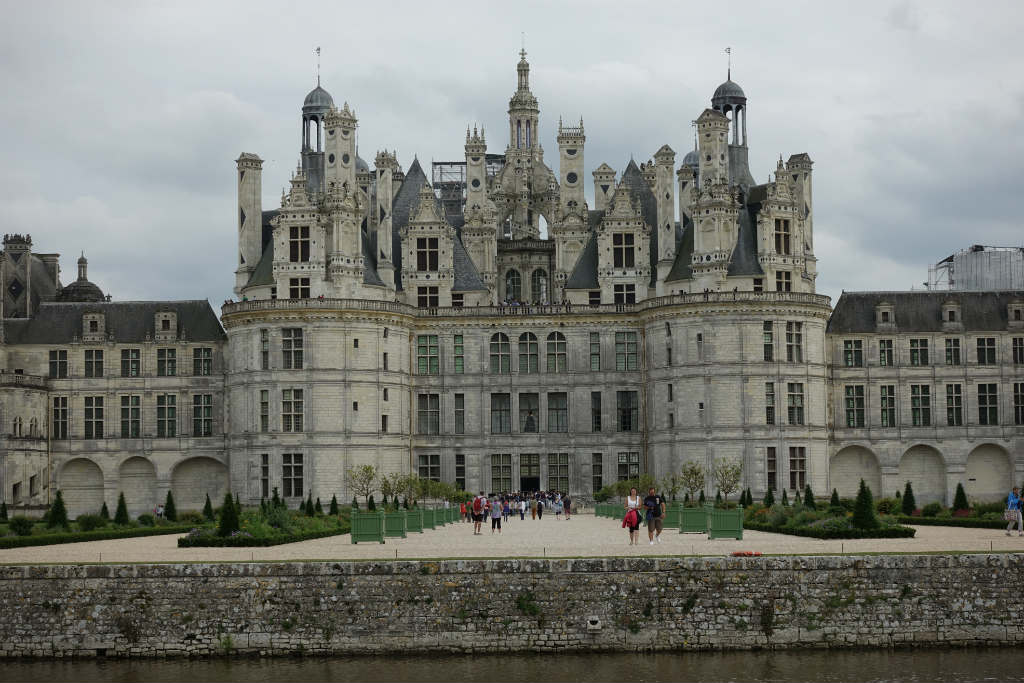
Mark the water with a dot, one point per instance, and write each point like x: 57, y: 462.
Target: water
x: 940, y: 666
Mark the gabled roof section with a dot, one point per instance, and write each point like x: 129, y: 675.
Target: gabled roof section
x: 370, y: 274
x: 633, y: 179
x: 264, y: 271
x: 744, y: 255
x: 406, y: 199
x: 584, y: 273
x: 681, y: 267
x: 921, y: 311
x: 467, y: 277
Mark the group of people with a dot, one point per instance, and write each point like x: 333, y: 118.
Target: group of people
x: 503, y: 507
x: 650, y: 511
x: 1014, y: 503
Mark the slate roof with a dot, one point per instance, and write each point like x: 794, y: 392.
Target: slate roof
x: 263, y: 274
x: 681, y: 267
x: 921, y: 311
x: 467, y: 277
x: 584, y: 273
x: 633, y: 180
x: 406, y: 199
x: 370, y: 274
x: 128, y: 321
x: 744, y: 255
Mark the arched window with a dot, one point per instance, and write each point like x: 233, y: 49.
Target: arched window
x: 33, y: 426
x: 528, y: 135
x: 529, y: 353
x: 513, y: 285
x: 556, y: 352
x: 539, y: 286
x: 501, y: 354
x: 16, y: 428
x: 519, y: 134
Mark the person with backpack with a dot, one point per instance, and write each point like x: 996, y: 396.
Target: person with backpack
x: 478, y: 513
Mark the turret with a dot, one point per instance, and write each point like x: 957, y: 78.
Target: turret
x: 385, y: 166
x: 523, y: 113
x: 664, y: 192
x: 476, y: 169
x: 570, y: 166
x: 314, y: 108
x: 604, y: 186
x: 341, y: 147
x: 712, y: 139
x: 250, y: 217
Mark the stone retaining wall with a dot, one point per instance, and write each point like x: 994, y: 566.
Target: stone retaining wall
x: 503, y: 605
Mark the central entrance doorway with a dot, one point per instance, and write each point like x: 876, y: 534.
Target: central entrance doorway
x: 529, y: 472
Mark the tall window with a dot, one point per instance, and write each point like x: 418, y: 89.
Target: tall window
x: 783, y: 281
x: 529, y: 413
x: 558, y: 412
x: 202, y: 361
x: 919, y: 352
x: 988, y: 404
x: 460, y: 471
x: 459, y: 353
x: 768, y: 336
x: 920, y: 405
x: 885, y: 356
x: 986, y: 350
x: 1018, y: 350
x: 501, y: 472
x: 596, y: 471
x: 853, y: 353
x: 529, y: 353
x: 670, y: 392
x: 430, y: 467
x: 888, y: 404
x: 58, y: 364
x: 769, y: 403
x: 556, y: 352
x: 1018, y: 403
x: 291, y: 348
x: 772, y: 468
x: 595, y: 351
x: 166, y: 362
x: 624, y: 294
x: 628, y: 409
x: 795, y: 402
x: 298, y: 243
x: 797, y: 467
x: 626, y: 351
x: 794, y: 342
x: 264, y: 410
x: 954, y: 405
x: 628, y: 466
x: 131, y: 417
x: 130, y: 362
x: 292, y: 405
x: 428, y: 359
x: 782, y: 236
x: 166, y: 415
x: 595, y: 411
x: 428, y: 413
x: 952, y: 351
x: 539, y: 286
x: 298, y: 287
x: 623, y: 250
x: 202, y: 415
x: 426, y: 254
x: 427, y: 297
x: 59, y: 427
x: 93, y: 362
x: 94, y: 417
x: 854, y: 405
x: 558, y: 472
x: 291, y: 475
x: 265, y: 349
x: 460, y: 413
x: 513, y: 285
x: 501, y: 354
x: 264, y: 475
x: 384, y: 424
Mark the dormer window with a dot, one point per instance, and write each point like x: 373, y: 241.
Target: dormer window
x: 94, y: 326
x: 885, y: 315
x: 165, y: 325
x: 1015, y: 314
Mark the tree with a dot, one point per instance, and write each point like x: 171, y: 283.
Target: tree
x: 693, y: 478
x: 798, y: 500
x: 363, y: 480
x: 785, y: 498
x: 405, y: 503
x: 686, y: 499
x: 809, y: 498
x: 307, y: 506
x: 58, y: 513
x: 208, y: 509
x: 864, y: 516
x: 104, y: 512
x: 960, y: 499
x: 334, y: 505
x: 726, y: 474
x: 370, y: 504
x: 170, y: 512
x: 275, y: 500
x: 909, y: 504
x: 750, y: 497
x: 702, y: 498
x: 671, y: 485
x: 121, y: 516
x: 238, y: 506
x: 318, y: 508
x: 769, y: 498
x: 228, y: 517
x: 835, y: 499
x: 3, y: 511
x: 718, y: 496
x: 355, y: 504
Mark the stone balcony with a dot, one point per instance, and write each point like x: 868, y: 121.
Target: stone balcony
x: 17, y: 379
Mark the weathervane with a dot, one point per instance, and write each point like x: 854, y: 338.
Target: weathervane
x: 728, y: 52
x: 522, y: 50
x: 317, y: 51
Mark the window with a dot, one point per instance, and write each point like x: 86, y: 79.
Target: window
x: 460, y: 471
x: 427, y: 297
x: 131, y: 418
x: 594, y: 298
x: 988, y: 404
x: 298, y: 243
x: 670, y: 393
x: 888, y: 404
x: 1018, y: 350
x: 628, y: 466
x: 460, y: 413
x: 291, y: 348
x: 782, y: 236
x: 954, y: 405
x: 529, y: 413
x: 513, y: 286
x: 94, y: 417
x: 558, y: 412
x: 794, y: 342
x: 264, y: 410
x: 430, y: 467
x: 671, y: 420
x: 460, y: 355
x: 797, y: 467
x: 595, y: 411
x: 919, y: 352
x: 458, y: 299
x: 384, y: 361
x: 783, y: 281
x: 952, y: 351
x: 93, y: 362
x: 1018, y: 403
x: 202, y: 361
x: 501, y: 354
x: 885, y: 358
x: 625, y: 351
x: 166, y: 416
x: 628, y: 408
x: 539, y: 286
x: 596, y: 471
x: 298, y: 287
x: 854, y: 405
x: 595, y: 351
x: 428, y: 414
x: 853, y: 353
x: 758, y: 284
x: 291, y: 475
x: 265, y: 475
x: 202, y: 415
x: 795, y: 402
x: 623, y: 250
x: 130, y: 362
x: 920, y: 405
x: 529, y: 466
x: 768, y: 338
x: 556, y: 355
x: 384, y: 424
x: 59, y: 427
x: 166, y: 362
x: 265, y: 349
x: 771, y: 468
x: 292, y: 405
x: 428, y: 360
x: 700, y: 346
x: 94, y: 326
x: 426, y: 254
x: 529, y: 353
x: 668, y: 356
x: 385, y: 394
x: 558, y: 472
x: 769, y: 403
x: 58, y: 364
x: 501, y: 472
x: 625, y: 294
x: 986, y: 350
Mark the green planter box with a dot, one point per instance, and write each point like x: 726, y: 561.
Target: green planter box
x: 693, y: 521
x: 414, y: 520
x: 672, y: 515
x: 726, y: 524
x: 367, y: 527
x: 428, y: 518
x: 395, y: 524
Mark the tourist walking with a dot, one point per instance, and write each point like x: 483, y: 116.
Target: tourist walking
x: 568, y: 503
x: 540, y: 508
x: 655, y: 506
x: 496, y: 515
x: 632, y: 518
x: 522, y: 509
x: 462, y: 511
x: 1013, y: 516
x: 506, y: 509
x: 478, y: 513
x: 533, y: 507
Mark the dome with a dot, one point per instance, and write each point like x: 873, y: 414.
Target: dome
x: 361, y: 165
x: 82, y: 290
x: 729, y: 90
x: 318, y: 100
x: 691, y: 159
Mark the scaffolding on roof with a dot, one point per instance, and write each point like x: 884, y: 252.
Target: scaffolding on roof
x: 449, y: 181
x: 977, y: 268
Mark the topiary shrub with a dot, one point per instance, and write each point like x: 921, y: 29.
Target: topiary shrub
x: 192, y: 517
x: 809, y: 498
x: 58, y: 516
x: 370, y: 504
x: 702, y: 498
x: 3, y: 511
x: 22, y: 526
x: 228, y: 517
x: 797, y: 500
x: 835, y: 499
x: 121, y: 516
x: 104, y: 512
x: 170, y: 512
x: 960, y: 499
x: 238, y: 506
x: 334, y: 506
x: 769, y: 498
x: 208, y: 509
x: 908, y: 504
x: 405, y: 503
x: 90, y: 522
x: 275, y: 500
x: 931, y: 509
x: 146, y: 519
x: 318, y: 508
x: 355, y: 504
x: 785, y: 498
x: 888, y: 506
x: 864, y: 516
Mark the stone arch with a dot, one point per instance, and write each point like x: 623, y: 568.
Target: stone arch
x: 194, y: 478
x: 925, y: 469
x: 851, y: 464
x: 81, y: 483
x: 989, y: 474
x: 136, y: 479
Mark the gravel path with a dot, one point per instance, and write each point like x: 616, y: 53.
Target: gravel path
x: 583, y: 535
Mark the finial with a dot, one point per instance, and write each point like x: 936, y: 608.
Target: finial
x: 728, y: 52
x: 522, y: 50
x: 317, y: 51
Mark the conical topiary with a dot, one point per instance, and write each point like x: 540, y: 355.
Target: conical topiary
x: 797, y: 500
x: 208, y: 509
x: 104, y: 512
x: 228, y: 517
x: 809, y: 498
x: 238, y: 507
x: 769, y: 498
x: 702, y: 498
x: 405, y: 503
x: 864, y: 516
x: 909, y: 505
x: 960, y: 499
x: 370, y: 504
x: 785, y: 498
x: 835, y: 499
x: 899, y: 496
x: 170, y: 512
x: 718, y: 496
x: 3, y: 511
x: 58, y: 516
x: 275, y: 500
x: 318, y: 508
x: 686, y: 499
x: 121, y: 516
x: 334, y: 506
x: 355, y: 504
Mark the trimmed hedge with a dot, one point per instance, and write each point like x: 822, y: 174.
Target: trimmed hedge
x: 84, y: 536
x: 211, y: 541
x: 971, y: 522
x: 813, y: 532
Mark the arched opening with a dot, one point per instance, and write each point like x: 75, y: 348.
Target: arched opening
x: 539, y: 286
x: 989, y: 474
x: 194, y: 478
x: 925, y: 469
x: 849, y: 466
x: 137, y: 481
x: 81, y: 484
x: 519, y: 134
x: 529, y: 131
x: 513, y: 285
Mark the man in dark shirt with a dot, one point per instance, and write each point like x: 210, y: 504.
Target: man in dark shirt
x: 655, y: 506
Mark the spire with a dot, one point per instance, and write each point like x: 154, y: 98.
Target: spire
x: 523, y: 68
x: 83, y: 265
x: 728, y: 72
x: 317, y: 51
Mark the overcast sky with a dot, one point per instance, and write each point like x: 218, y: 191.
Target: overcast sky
x: 121, y: 121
